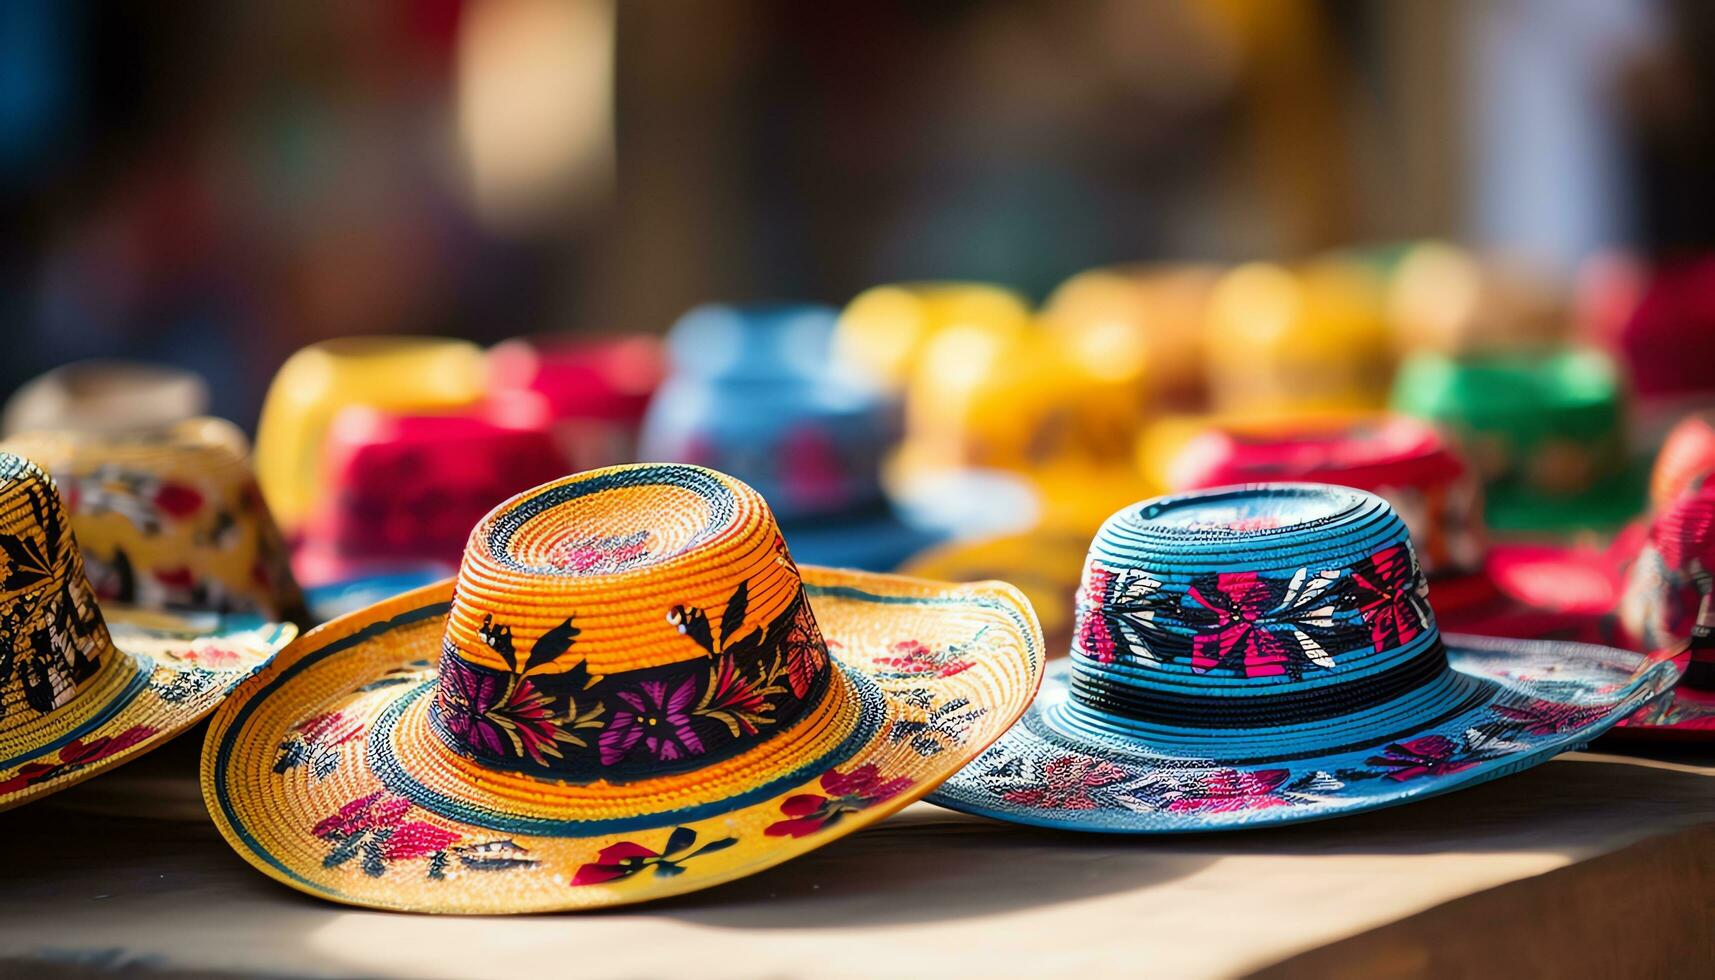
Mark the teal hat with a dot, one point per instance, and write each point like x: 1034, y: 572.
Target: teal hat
x: 1267, y: 654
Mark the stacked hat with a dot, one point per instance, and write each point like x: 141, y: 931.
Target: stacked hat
x: 1267, y: 654
x: 403, y: 490
x: 1545, y: 428
x: 753, y: 392
x: 596, y: 390
x: 88, y: 685
x: 412, y: 374
x: 631, y: 691
x: 105, y: 396
x: 1282, y: 342
x: 171, y: 519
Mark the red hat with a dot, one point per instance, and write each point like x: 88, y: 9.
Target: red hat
x: 406, y: 489
x: 596, y: 390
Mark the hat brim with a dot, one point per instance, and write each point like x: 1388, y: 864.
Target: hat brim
x: 1682, y: 714
x: 1510, y: 704
x: 348, y: 595
x: 323, y: 773
x: 165, y: 673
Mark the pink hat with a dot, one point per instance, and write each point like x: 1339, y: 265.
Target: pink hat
x: 405, y: 490
x: 596, y: 390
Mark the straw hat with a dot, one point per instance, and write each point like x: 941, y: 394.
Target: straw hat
x: 1266, y: 654
x: 1545, y: 429
x: 631, y: 691
x: 105, y: 396
x: 882, y: 333
x: 403, y: 490
x: 1149, y: 314
x: 403, y: 373
x: 170, y: 519
x: 85, y: 687
x: 752, y: 393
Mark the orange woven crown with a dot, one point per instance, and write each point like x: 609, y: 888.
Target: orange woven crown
x: 626, y: 623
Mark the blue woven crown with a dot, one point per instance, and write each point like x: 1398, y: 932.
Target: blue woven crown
x: 1266, y: 605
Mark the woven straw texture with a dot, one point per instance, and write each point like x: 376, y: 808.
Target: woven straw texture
x: 84, y: 688
x: 1267, y: 654
x: 170, y: 519
x: 630, y: 691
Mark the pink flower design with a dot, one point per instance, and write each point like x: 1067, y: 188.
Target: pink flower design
x: 1066, y: 784
x: 845, y: 792
x: 915, y: 658
x: 1241, y: 603
x: 1095, y: 639
x: 1229, y: 790
x: 627, y: 858
x: 373, y: 828
x: 75, y: 755
x: 1385, y: 586
x: 1548, y: 717
x: 1430, y: 755
x: 658, y: 715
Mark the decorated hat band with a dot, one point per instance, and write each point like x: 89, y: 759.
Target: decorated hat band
x: 1267, y: 653
x: 82, y: 689
x: 569, y: 618
x: 171, y: 518
x: 630, y: 690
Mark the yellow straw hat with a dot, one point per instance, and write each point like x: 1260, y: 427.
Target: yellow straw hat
x: 385, y: 372
x: 630, y: 691
x: 1288, y: 341
x: 170, y: 519
x: 85, y: 687
x: 1143, y: 318
x: 882, y: 333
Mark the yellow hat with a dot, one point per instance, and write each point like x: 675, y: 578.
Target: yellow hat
x: 87, y: 686
x: 1443, y: 298
x: 1028, y: 405
x: 397, y: 373
x: 1140, y: 318
x: 1285, y: 341
x: 882, y: 333
x: 631, y: 692
x: 171, y: 519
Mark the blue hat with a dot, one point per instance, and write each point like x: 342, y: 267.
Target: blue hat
x: 1267, y: 654
x: 752, y: 393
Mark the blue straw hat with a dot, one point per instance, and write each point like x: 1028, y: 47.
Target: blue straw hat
x: 752, y: 392
x: 1266, y: 654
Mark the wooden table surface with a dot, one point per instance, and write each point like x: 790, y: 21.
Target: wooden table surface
x: 1594, y: 865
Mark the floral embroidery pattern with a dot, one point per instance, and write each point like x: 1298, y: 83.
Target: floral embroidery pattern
x: 939, y: 728
x: 1391, y: 597
x: 914, y: 658
x: 315, y: 742
x: 1067, y: 783
x: 842, y: 794
x: 73, y: 756
x: 568, y: 722
x: 628, y: 858
x: 1431, y: 755
x: 1257, y: 634
x: 375, y: 831
x: 603, y: 556
x: 52, y: 632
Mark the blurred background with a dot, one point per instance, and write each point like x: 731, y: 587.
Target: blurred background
x: 217, y: 185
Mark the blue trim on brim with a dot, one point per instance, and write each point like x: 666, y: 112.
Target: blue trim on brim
x: 1108, y: 786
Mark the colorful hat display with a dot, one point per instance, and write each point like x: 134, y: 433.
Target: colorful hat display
x: 630, y: 692
x: 409, y: 374
x: 171, y: 519
x: 1267, y: 654
x: 596, y: 390
x: 1668, y: 341
x: 1681, y: 556
x: 1401, y: 460
x: 1545, y: 429
x: 1289, y: 341
x: 753, y: 393
x: 87, y: 686
x: 882, y: 333
x: 105, y: 396
x: 403, y: 490
x: 1146, y: 318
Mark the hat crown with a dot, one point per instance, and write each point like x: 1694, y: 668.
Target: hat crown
x: 51, y: 632
x: 625, y: 623
x: 1244, y: 606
